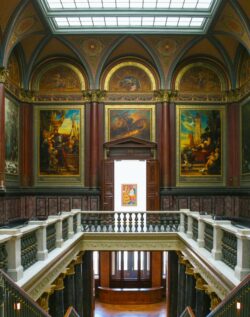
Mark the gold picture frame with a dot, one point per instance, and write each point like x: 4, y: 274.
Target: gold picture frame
x: 200, y: 147
x: 123, y: 121
x: 59, y: 145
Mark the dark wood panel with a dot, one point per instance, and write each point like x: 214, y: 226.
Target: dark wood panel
x: 153, y: 185
x: 108, y: 185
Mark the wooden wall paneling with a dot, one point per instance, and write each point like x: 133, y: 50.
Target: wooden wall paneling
x: 156, y: 268
x: 153, y: 198
x: 94, y: 203
x: 84, y: 203
x: 52, y: 205
x: 76, y: 203
x: 65, y: 203
x: 219, y: 205
x: 207, y: 204
x: 108, y: 185
x: 41, y: 207
x: 104, y: 268
x: 194, y: 204
x: 172, y: 145
x: 2, y: 137
x: 87, y: 145
x: 183, y: 202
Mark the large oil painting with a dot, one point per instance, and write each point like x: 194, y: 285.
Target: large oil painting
x: 199, y: 150
x: 130, y: 121
x: 11, y: 137
x: 245, y: 139
x: 60, y: 144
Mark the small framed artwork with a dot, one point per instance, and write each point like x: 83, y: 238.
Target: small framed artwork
x: 130, y: 121
x: 129, y: 194
x: 200, y: 145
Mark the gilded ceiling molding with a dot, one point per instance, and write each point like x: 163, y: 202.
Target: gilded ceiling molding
x: 233, y: 95
x: 162, y: 95
x: 3, y: 75
x: 130, y: 63
x: 96, y: 95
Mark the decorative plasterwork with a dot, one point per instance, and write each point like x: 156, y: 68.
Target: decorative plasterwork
x: 94, y: 95
x: 3, y: 75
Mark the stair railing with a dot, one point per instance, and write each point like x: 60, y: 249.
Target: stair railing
x: 188, y: 312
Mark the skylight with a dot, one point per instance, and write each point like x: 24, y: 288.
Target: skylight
x: 129, y: 16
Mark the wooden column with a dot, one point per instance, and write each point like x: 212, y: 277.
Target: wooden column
x: 181, y: 284
x: 104, y: 268
x: 172, y: 284
x: 95, y: 143
x: 233, y: 149
x: 26, y: 140
x: 156, y: 268
x: 3, y: 75
x: 88, y: 284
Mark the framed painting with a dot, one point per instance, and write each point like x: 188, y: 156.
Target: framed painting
x: 11, y: 137
x: 245, y: 142
x: 200, y: 145
x: 130, y: 121
x: 59, y: 144
x: 129, y: 194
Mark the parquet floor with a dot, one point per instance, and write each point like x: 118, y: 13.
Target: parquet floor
x: 151, y: 310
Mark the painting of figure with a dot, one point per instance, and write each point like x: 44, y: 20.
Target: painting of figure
x: 11, y: 137
x: 59, y: 141
x: 245, y: 157
x: 200, y: 135
x: 126, y: 121
x: 129, y: 194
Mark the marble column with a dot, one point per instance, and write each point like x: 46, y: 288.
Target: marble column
x: 190, y: 297
x: 3, y: 76
x: 56, y: 301
x: 79, y: 286
x: 172, y: 283
x: 202, y: 304
x: 69, y: 287
x: 88, y: 284
x: 181, y: 284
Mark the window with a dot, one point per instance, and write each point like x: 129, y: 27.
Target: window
x: 96, y: 264
x: 130, y: 269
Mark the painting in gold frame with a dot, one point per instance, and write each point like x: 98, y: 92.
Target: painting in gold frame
x: 200, y: 145
x: 59, y: 145
x: 130, y: 121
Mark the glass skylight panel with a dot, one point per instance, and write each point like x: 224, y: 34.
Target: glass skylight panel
x: 197, y: 22
x: 148, y: 21
x: 111, y: 21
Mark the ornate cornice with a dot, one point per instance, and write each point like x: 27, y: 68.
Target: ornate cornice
x: 165, y: 95
x: 27, y: 96
x: 233, y: 95
x: 94, y: 95
x: 3, y: 75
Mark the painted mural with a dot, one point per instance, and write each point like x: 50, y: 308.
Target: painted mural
x: 200, y: 135
x: 245, y: 157
x: 13, y: 68
x: 130, y: 79
x: 60, y: 79
x: 199, y: 78
x: 129, y: 121
x: 245, y: 70
x: 11, y: 137
x: 59, y: 141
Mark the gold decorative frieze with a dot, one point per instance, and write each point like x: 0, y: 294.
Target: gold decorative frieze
x: 27, y: 96
x: 189, y: 269
x: 71, y: 269
x: 94, y: 95
x: 215, y: 301
x: 162, y: 95
x: 43, y: 301
x: 199, y: 282
x: 59, y: 284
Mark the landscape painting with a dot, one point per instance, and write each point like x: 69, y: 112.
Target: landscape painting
x: 199, y: 141
x: 130, y: 121
x: 60, y: 139
x: 11, y: 137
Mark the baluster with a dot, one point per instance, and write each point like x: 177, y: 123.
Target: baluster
x: 116, y: 222
x: 139, y: 219
x: 136, y: 222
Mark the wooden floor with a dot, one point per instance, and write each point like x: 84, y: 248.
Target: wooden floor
x: 150, y: 310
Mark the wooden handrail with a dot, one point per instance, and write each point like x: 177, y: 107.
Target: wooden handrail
x: 231, y: 295
x: 23, y: 294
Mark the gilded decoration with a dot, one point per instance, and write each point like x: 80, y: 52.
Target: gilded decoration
x: 3, y: 74
x: 13, y: 69
x: 11, y: 137
x: 199, y: 78
x: 59, y: 144
x: 130, y: 77
x: 200, y: 150
x: 94, y: 95
x: 130, y: 121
